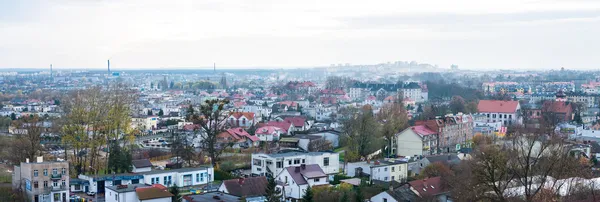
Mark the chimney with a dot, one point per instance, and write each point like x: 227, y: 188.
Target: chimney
x: 297, y: 169
x: 241, y: 181
x: 303, y: 166
x: 27, y: 160
x: 40, y: 159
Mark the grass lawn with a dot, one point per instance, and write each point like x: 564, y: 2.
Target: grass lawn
x: 342, y: 156
x: 339, y: 149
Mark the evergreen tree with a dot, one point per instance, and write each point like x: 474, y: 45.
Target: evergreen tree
x: 359, y: 195
x: 272, y: 192
x: 344, y: 197
x: 308, y: 195
x: 175, y: 191
x: 13, y: 116
x: 161, y: 113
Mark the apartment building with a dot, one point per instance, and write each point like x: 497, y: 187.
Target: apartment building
x: 42, y: 181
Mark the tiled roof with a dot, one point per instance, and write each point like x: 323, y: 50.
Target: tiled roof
x: 267, y: 130
x: 422, y: 130
x: 556, y: 107
x: 279, y: 124
x: 245, y: 187
x: 152, y: 193
x: 497, y: 106
x: 428, y: 187
x: 240, y: 133
x: 248, y: 115
x: 309, y: 171
x: 296, y: 121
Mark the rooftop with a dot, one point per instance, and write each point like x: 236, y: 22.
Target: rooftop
x: 212, y: 196
x: 179, y: 170
x: 128, y: 188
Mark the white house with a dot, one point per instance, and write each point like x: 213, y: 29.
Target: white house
x: 241, y: 119
x: 414, y: 141
x: 296, y: 179
x: 416, y: 190
x: 382, y: 170
x: 272, y: 164
x: 268, y: 133
x: 145, y: 123
x: 506, y: 112
x: 137, y: 193
x: 182, y: 177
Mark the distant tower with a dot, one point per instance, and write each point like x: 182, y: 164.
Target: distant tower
x: 215, y: 67
x: 108, y: 64
x: 51, y: 73
x: 223, y: 81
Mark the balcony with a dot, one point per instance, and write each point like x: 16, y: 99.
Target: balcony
x: 56, y: 176
x: 50, y: 189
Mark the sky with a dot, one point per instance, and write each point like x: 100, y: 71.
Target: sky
x: 137, y: 34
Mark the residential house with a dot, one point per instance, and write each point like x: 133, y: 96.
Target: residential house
x: 415, y: 141
x: 241, y: 119
x: 98, y: 183
x: 446, y: 159
x: 272, y: 164
x: 137, y: 193
x: 428, y: 189
x: 141, y: 165
x: 287, y: 127
x: 386, y: 170
x: 332, y: 136
x: 42, y: 180
x: 299, y: 123
x: 145, y: 123
x: 295, y: 180
x: 251, y: 189
x: 211, y: 196
x: 507, y: 112
x: 238, y: 137
x: 585, y: 99
x: 268, y: 133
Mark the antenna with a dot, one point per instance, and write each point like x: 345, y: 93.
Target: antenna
x: 108, y: 63
x: 51, y: 73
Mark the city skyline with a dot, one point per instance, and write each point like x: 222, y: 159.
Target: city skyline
x: 290, y: 34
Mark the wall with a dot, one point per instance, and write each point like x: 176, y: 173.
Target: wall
x: 383, y: 195
x: 408, y: 143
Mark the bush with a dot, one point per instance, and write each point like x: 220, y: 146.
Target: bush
x: 222, y: 175
x: 227, y: 166
x: 337, y: 178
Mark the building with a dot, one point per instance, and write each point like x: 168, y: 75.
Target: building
x: 453, y: 131
x: 268, y: 133
x: 295, y: 180
x: 137, y: 193
x: 273, y: 164
x: 429, y: 189
x: 238, y: 137
x: 241, y: 119
x: 252, y: 188
x: 98, y: 183
x: 42, y: 181
x: 385, y: 170
x: 507, y: 112
x: 211, y: 196
x: 562, y: 111
x: 585, y: 99
x: 142, y: 165
x: 415, y: 141
x: 145, y: 123
x: 412, y: 90
x: 182, y: 177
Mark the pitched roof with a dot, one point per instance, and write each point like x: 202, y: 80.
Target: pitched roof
x: 279, y: 124
x: 422, y: 130
x: 245, y: 187
x: 267, y: 130
x: 152, y: 193
x: 248, y: 115
x: 142, y: 163
x: 240, y: 134
x: 497, y: 106
x: 296, y: 121
x: 556, y: 107
x: 431, y: 186
x: 309, y: 171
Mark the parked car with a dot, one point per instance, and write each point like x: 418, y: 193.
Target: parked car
x: 91, y: 193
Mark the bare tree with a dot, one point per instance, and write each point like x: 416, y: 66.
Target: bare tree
x: 28, y: 134
x: 394, y: 119
x: 319, y: 145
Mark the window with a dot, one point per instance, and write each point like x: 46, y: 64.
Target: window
x: 64, y: 183
x: 37, y: 198
x: 296, y: 161
x: 279, y: 164
x: 289, y: 162
x: 505, y: 116
x: 157, y: 180
x: 393, y: 177
x: 510, y: 116
x: 54, y: 171
x: 116, y: 197
x: 152, y: 179
x: 35, y: 185
x: 35, y: 173
x: 201, y: 177
x: 393, y: 169
x: 303, y: 160
x: 257, y: 162
x: 197, y: 177
x: 285, y: 179
x: 45, y: 184
x: 170, y: 182
x: 493, y: 115
x: 385, y: 178
x: 64, y: 171
x: 165, y: 180
x: 385, y: 169
x: 45, y: 172
x: 55, y: 184
x: 326, y: 161
x: 488, y: 115
x: 316, y: 179
x: 384, y: 200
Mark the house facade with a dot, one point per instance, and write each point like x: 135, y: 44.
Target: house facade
x: 273, y: 164
x: 183, y: 177
x: 506, y: 112
x: 295, y: 180
x: 42, y: 181
x: 385, y: 170
x: 415, y: 141
x: 241, y: 119
x: 452, y: 130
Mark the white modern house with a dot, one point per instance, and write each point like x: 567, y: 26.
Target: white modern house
x: 273, y: 164
x: 182, y: 177
x: 137, y: 193
x: 295, y: 180
x: 141, y: 165
x: 386, y: 170
x: 506, y: 112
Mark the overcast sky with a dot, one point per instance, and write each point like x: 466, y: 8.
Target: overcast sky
x: 474, y: 34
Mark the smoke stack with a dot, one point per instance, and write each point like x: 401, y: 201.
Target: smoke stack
x: 108, y: 63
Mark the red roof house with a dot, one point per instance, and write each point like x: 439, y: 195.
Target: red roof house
x: 498, y: 106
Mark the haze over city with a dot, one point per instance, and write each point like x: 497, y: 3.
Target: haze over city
x: 480, y: 35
